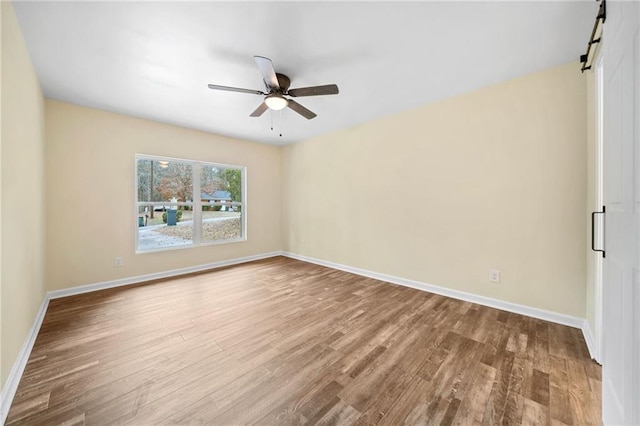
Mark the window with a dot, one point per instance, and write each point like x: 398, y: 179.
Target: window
x: 184, y: 203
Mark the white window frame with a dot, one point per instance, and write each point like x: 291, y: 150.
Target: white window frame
x: 196, y: 205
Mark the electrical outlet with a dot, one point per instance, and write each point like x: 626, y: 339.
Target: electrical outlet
x: 494, y: 276
x: 118, y: 262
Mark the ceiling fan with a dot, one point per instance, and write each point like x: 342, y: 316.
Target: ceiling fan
x: 277, y: 86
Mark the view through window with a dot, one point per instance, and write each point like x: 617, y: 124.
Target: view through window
x: 187, y: 203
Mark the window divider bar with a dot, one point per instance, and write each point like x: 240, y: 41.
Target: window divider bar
x: 197, y: 204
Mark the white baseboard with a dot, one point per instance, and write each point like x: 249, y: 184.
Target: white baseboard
x: 11, y: 385
x: 542, y: 314
x: 156, y: 275
x: 594, y: 351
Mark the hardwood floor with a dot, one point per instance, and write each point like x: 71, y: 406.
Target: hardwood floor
x: 281, y: 341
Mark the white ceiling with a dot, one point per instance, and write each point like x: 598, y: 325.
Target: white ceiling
x: 154, y: 59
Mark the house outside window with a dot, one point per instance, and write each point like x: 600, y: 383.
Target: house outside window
x: 170, y: 215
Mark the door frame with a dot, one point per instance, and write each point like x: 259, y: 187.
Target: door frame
x: 599, y: 200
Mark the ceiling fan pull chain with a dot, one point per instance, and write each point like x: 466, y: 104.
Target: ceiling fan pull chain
x: 281, y: 123
x: 271, y: 120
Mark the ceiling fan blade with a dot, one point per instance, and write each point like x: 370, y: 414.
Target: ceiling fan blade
x: 268, y: 73
x: 328, y: 89
x: 235, y: 89
x: 259, y: 111
x: 308, y: 114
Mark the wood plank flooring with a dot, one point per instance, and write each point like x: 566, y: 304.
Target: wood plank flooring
x: 280, y: 341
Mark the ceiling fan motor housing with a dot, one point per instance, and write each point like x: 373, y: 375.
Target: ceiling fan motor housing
x: 284, y: 82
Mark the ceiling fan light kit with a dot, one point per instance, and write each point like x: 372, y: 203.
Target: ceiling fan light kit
x: 276, y: 102
x: 277, y: 86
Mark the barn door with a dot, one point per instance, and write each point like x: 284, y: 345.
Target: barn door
x: 621, y: 294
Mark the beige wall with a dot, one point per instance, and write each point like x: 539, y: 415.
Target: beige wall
x: 494, y: 179
x: 22, y: 192
x: 90, y: 194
